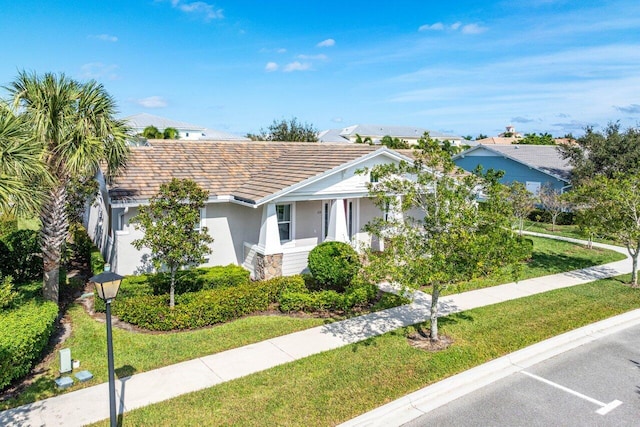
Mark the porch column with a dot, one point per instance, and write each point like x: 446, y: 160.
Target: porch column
x: 394, y: 215
x: 338, y: 223
x: 269, y: 253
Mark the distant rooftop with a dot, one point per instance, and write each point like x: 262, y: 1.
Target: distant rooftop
x: 142, y: 120
x: 187, y: 130
x: 411, y: 132
x: 332, y: 135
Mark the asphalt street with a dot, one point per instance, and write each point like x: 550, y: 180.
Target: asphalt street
x: 597, y: 384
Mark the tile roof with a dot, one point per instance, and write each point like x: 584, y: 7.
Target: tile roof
x: 247, y: 171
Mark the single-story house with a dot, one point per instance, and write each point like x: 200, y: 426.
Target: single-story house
x: 532, y: 165
x: 411, y: 134
x: 139, y: 122
x: 269, y: 203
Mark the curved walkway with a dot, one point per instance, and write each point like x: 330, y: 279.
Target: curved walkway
x: 90, y: 405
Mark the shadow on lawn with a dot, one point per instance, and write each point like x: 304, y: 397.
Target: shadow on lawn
x: 363, y: 329
x: 556, y: 262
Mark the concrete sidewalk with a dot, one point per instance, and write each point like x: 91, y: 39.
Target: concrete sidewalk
x: 91, y: 404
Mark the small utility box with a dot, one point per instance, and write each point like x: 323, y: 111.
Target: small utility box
x: 65, y: 360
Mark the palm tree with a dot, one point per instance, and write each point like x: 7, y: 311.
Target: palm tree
x: 21, y: 166
x: 75, y: 124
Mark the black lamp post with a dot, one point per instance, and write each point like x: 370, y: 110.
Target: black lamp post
x: 107, y: 285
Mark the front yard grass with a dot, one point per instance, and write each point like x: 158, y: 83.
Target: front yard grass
x: 136, y: 352
x: 337, y: 385
x: 572, y: 231
x: 549, y: 257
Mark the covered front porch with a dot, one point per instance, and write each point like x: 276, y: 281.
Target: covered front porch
x: 289, y: 230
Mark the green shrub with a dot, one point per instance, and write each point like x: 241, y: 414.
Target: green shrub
x: 197, y: 279
x: 20, y: 255
x: 301, y: 300
x: 333, y: 265
x: 8, y: 224
x: 7, y: 294
x: 202, y: 308
x: 540, y: 215
x: 24, y: 333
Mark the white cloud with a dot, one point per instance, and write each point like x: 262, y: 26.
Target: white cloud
x: 271, y: 66
x: 456, y: 25
x: 337, y: 120
x: 321, y: 57
x: 296, y: 66
x: 152, y: 102
x: 520, y: 119
x: 281, y: 50
x: 206, y: 10
x: 629, y: 109
x: 98, y: 70
x: 438, y: 26
x: 326, y: 43
x: 104, y: 37
x: 473, y: 29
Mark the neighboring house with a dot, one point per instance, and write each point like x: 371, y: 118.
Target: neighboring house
x: 269, y: 203
x: 377, y: 132
x: 188, y: 131
x: 532, y: 165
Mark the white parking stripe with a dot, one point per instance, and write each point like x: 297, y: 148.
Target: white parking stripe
x: 605, y: 408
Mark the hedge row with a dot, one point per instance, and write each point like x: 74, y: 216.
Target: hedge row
x: 24, y: 333
x: 354, y: 296
x: 203, y: 308
x: 540, y: 215
x: 197, y: 279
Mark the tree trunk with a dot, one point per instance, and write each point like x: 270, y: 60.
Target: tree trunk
x: 53, y: 234
x: 434, y: 313
x: 172, y: 289
x: 634, y: 269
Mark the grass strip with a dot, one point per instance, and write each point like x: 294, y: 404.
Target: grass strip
x: 549, y: 257
x: 337, y: 385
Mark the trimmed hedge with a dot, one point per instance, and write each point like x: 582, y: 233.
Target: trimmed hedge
x: 302, y: 300
x: 197, y: 279
x: 333, y: 265
x: 24, y: 333
x: 203, y: 308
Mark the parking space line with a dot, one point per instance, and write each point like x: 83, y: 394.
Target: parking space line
x: 605, y: 408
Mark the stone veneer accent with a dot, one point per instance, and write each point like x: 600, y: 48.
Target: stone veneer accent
x: 268, y: 266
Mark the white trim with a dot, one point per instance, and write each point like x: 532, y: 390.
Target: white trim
x: 381, y: 151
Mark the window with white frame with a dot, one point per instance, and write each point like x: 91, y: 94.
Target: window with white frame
x: 283, y: 213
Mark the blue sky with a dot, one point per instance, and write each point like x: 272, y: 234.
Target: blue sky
x: 465, y: 67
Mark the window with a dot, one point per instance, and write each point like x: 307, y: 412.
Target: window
x: 284, y: 222
x: 326, y: 209
x: 200, y: 223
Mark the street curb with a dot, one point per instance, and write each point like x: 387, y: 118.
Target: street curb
x: 418, y: 403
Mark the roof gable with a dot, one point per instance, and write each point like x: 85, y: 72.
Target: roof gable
x: 545, y: 158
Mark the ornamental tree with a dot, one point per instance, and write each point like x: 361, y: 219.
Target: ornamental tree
x: 610, y: 207
x: 436, y: 234
x: 171, y: 226
x: 554, y: 202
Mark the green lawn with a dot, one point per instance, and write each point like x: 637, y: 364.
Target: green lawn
x: 572, y: 231
x: 136, y: 352
x: 549, y: 257
x: 143, y: 351
x: 334, y: 386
